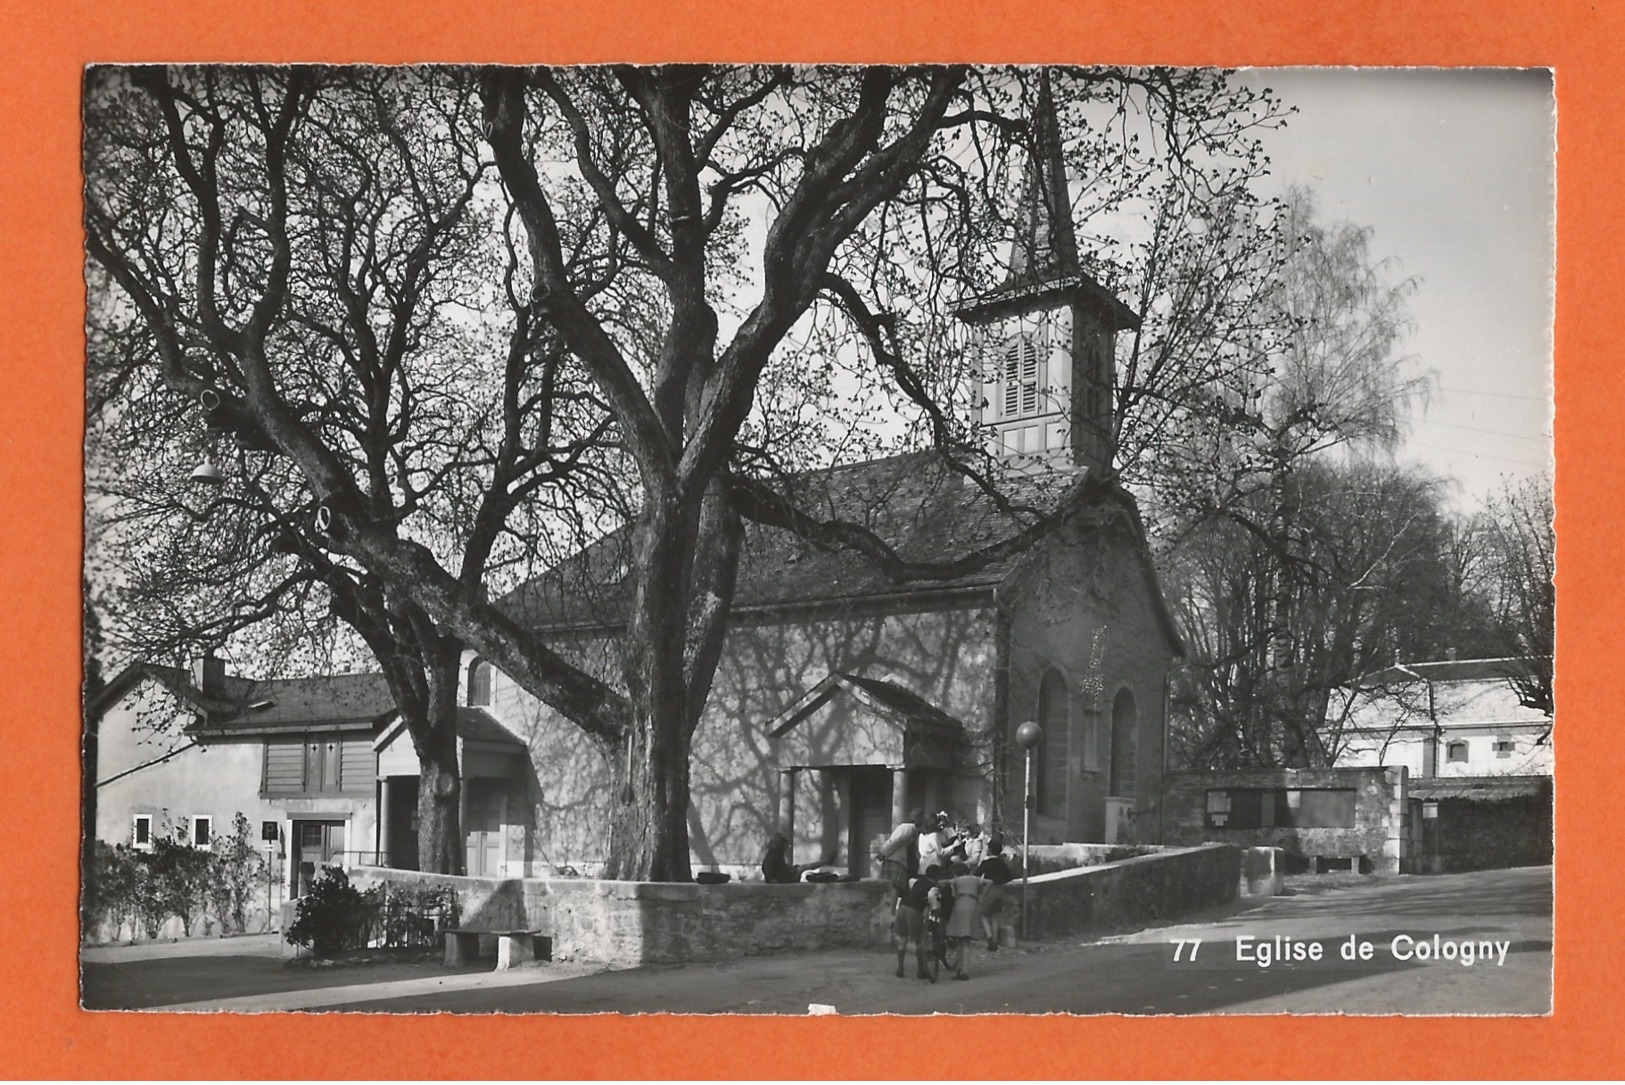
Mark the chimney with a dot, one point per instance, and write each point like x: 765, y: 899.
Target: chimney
x: 209, y: 674
x: 1450, y: 654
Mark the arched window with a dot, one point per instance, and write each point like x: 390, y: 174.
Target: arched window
x: 1125, y: 740
x: 1456, y: 751
x: 479, y: 682
x: 1055, y: 717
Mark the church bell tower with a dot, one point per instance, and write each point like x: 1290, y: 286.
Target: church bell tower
x: 1047, y: 336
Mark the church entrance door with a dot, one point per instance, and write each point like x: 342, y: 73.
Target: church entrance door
x: 870, y: 807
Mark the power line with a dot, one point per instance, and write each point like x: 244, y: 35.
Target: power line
x: 1498, y: 395
x: 1491, y: 432
x: 1475, y: 452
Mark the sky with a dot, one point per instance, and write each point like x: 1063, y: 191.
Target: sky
x: 1454, y: 172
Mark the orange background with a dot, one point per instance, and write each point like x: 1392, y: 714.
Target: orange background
x: 41, y: 297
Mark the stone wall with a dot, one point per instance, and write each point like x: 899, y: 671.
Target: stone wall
x: 946, y: 656
x: 1377, y: 835
x: 1079, y: 607
x: 1491, y: 835
x: 1130, y: 892
x: 632, y: 923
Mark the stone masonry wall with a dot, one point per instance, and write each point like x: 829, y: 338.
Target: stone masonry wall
x: 630, y: 923
x: 945, y: 655
x: 666, y: 923
x: 1475, y: 835
x: 1134, y: 891
x: 1377, y: 834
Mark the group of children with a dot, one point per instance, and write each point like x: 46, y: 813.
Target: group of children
x: 954, y: 895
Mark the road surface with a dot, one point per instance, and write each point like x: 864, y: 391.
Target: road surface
x: 1503, y: 915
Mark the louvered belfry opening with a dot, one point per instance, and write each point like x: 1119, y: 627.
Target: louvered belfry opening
x: 1046, y: 335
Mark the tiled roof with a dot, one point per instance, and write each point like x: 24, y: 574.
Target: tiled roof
x: 915, y: 502
x: 281, y: 702
x: 1480, y: 788
x: 1452, y: 670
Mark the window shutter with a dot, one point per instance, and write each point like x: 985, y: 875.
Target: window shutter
x: 1010, y: 377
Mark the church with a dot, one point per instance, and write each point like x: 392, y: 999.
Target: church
x: 844, y: 698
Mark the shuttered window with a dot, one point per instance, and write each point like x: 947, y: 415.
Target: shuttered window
x: 1020, y: 375
x: 319, y: 765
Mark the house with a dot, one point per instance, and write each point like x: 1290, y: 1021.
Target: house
x: 844, y: 698
x: 1448, y: 718
x: 317, y: 765
x: 182, y: 752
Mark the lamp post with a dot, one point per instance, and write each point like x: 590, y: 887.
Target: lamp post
x: 1028, y: 736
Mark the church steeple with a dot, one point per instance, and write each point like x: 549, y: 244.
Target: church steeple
x: 1046, y: 244
x: 1048, y: 332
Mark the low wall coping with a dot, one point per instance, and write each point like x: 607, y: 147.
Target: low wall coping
x: 1084, y: 871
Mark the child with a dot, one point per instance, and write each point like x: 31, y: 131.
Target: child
x: 963, y: 921
x: 995, y: 871
x: 922, y: 895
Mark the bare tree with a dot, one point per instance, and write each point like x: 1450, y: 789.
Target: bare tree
x: 1517, y: 528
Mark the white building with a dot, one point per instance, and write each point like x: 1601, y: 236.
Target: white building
x: 1448, y: 718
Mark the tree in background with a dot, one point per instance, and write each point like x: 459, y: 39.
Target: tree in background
x: 1518, y: 574
x: 1370, y: 580
x: 1263, y: 512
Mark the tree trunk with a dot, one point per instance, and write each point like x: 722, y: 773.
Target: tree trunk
x: 648, y: 835
x: 440, y: 792
x: 440, y: 835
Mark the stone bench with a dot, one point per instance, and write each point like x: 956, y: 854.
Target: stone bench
x: 514, y: 947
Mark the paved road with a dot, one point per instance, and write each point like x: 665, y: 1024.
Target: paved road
x: 1132, y: 974
x: 1135, y: 974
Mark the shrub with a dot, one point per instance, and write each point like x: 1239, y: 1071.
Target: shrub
x: 179, y: 883
x: 330, y: 916
x: 407, y: 915
x: 111, y: 891
x: 238, y: 872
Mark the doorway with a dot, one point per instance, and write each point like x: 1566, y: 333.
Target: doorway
x: 315, y: 844
x: 486, y: 805
x: 870, y: 807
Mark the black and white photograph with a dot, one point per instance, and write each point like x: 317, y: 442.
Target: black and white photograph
x: 818, y: 540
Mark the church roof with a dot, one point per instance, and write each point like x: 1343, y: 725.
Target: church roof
x: 914, y: 502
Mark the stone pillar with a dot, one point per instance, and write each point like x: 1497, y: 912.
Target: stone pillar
x: 899, y: 796
x: 381, y: 833
x: 787, y: 805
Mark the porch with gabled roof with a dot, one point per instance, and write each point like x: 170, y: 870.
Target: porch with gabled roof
x: 877, y: 745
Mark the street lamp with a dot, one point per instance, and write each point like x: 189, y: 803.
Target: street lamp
x: 1028, y: 736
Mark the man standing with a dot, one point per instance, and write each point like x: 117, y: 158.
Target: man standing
x: 897, y: 856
